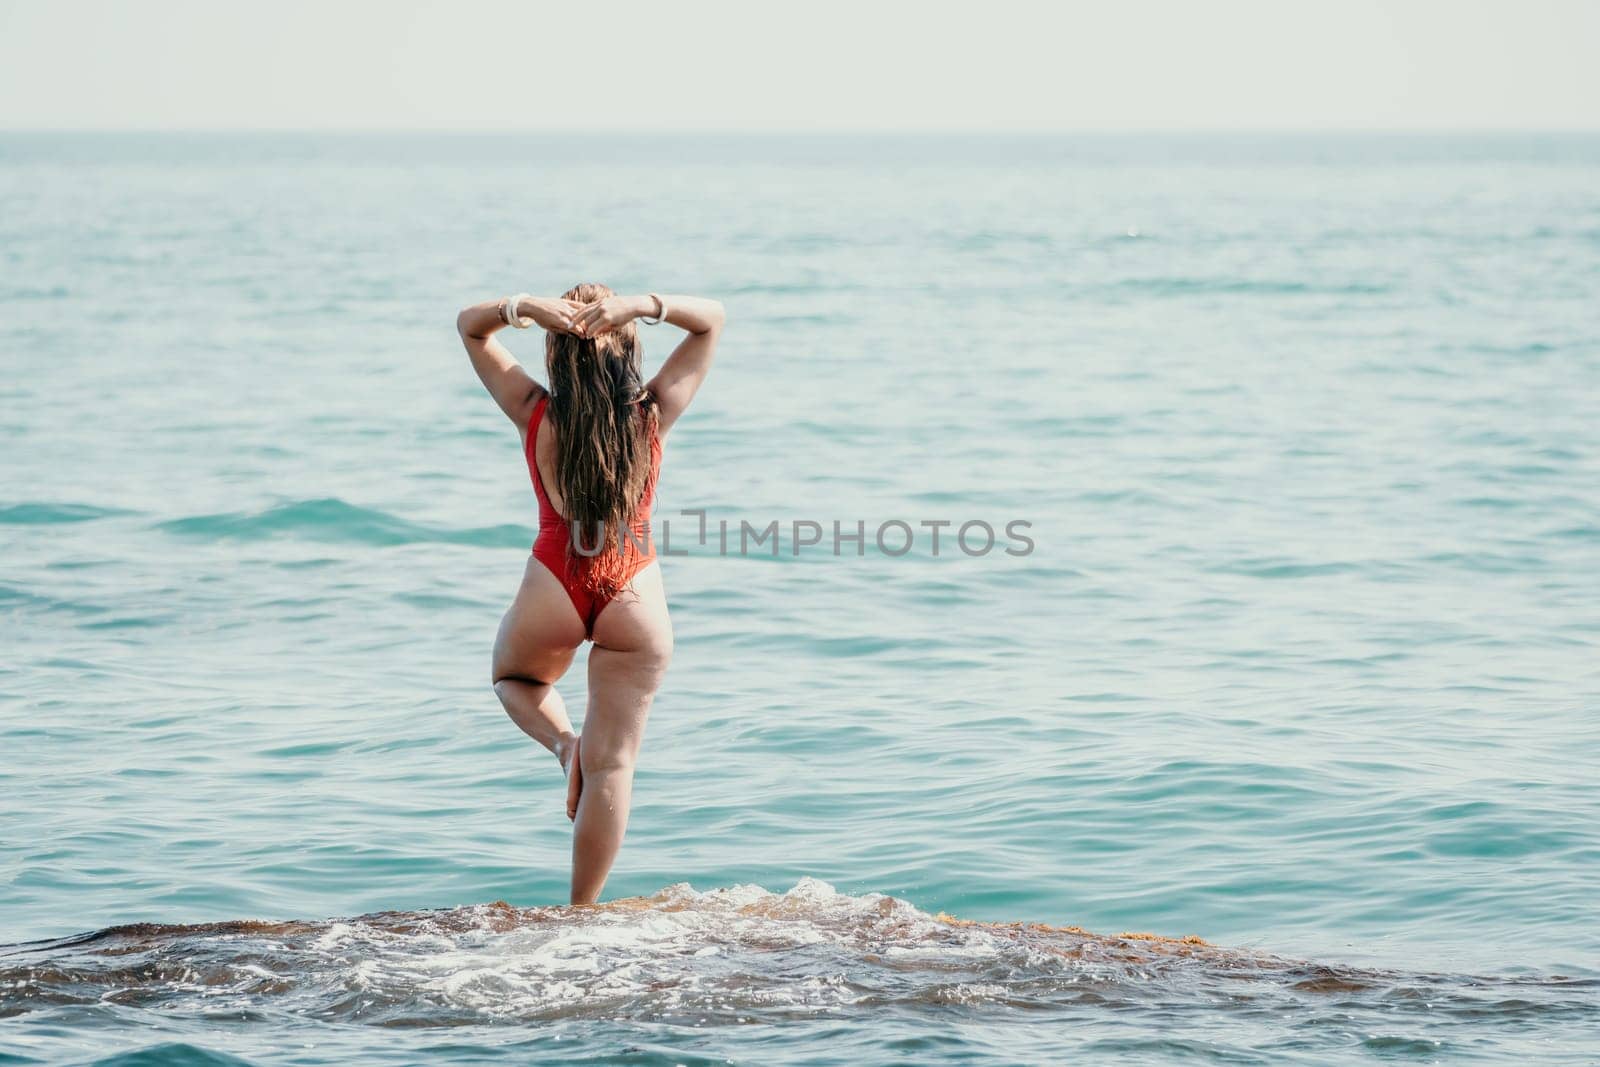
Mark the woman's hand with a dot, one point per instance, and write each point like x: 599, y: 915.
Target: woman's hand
x: 607, y: 314
x: 550, y: 313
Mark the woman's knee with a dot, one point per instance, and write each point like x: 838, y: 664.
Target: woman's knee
x: 540, y: 668
x: 600, y: 760
x: 507, y: 688
x: 501, y: 676
x: 502, y: 665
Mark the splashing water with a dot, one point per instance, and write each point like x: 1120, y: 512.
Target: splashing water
x: 744, y: 956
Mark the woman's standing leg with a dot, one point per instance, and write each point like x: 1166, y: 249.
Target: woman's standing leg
x: 632, y: 647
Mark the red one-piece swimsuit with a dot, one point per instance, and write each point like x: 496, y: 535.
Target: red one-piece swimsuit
x: 555, y: 534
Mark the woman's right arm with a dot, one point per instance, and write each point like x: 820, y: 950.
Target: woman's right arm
x: 680, y: 377
x: 498, y: 369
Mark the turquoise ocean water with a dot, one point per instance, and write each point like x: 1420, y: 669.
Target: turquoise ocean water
x: 1303, y: 661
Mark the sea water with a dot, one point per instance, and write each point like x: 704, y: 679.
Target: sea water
x: 1293, y: 664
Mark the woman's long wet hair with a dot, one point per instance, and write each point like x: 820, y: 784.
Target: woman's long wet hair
x: 605, y: 423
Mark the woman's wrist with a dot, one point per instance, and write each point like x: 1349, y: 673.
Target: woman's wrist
x: 517, y: 310
x: 652, y: 308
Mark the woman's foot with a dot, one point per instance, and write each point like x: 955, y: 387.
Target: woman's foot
x: 567, y: 752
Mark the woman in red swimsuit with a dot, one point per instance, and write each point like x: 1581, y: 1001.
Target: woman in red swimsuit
x: 593, y: 444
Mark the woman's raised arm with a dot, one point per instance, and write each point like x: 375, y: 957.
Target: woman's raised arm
x: 512, y: 387
x: 683, y: 372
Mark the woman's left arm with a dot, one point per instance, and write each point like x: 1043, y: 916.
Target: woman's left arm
x: 512, y: 387
x: 681, y: 376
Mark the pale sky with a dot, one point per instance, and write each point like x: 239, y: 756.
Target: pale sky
x: 754, y: 65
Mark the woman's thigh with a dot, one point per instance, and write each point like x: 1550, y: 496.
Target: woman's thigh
x: 541, y: 630
x: 632, y: 646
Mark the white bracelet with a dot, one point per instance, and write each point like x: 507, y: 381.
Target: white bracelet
x: 661, y: 311
x: 511, y: 316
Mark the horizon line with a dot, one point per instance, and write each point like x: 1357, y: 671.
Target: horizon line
x: 659, y: 134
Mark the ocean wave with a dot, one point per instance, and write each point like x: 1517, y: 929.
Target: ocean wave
x: 36, y: 513
x: 1284, y: 568
x: 1233, y: 286
x: 724, y: 956
x: 33, y: 292
x: 171, y: 1054
x: 330, y: 519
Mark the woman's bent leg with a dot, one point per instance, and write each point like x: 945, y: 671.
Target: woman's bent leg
x: 633, y: 644
x: 537, y: 639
